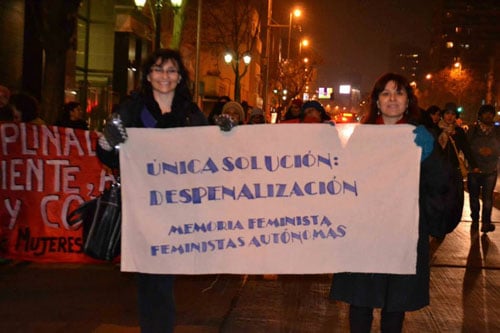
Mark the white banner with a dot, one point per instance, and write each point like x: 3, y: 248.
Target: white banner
x: 290, y: 198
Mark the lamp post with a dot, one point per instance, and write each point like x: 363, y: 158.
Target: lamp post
x: 158, y: 6
x: 197, y: 61
x: 296, y: 13
x: 270, y: 25
x: 178, y: 23
x: 234, y: 60
x: 303, y: 42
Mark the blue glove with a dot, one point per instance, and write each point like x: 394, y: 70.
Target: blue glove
x: 425, y: 140
x: 224, y: 122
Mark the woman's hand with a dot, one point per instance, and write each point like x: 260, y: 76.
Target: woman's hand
x: 224, y: 122
x: 114, y: 133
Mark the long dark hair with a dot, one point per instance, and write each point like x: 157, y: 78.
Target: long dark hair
x: 182, y: 91
x: 412, y: 114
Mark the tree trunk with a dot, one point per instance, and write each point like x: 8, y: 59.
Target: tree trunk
x: 56, y: 23
x: 53, y: 85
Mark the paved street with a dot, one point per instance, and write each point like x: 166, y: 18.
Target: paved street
x: 465, y: 296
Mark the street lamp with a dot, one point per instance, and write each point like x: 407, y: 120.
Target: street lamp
x: 158, y: 6
x: 270, y: 25
x: 296, y: 13
x: 303, y: 42
x: 234, y: 60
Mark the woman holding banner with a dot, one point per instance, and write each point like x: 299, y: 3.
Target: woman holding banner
x: 164, y: 101
x: 393, y: 102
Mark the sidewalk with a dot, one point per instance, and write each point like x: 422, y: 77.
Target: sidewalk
x: 465, y: 296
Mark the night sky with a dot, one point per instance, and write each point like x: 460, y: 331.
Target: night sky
x: 354, y: 37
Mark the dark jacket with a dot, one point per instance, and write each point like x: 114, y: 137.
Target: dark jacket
x: 462, y: 146
x: 485, y: 147
x: 402, y: 292
x: 140, y: 111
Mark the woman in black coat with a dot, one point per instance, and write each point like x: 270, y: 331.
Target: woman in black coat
x: 163, y: 102
x: 393, y: 102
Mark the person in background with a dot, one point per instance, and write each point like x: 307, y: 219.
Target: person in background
x: 217, y: 109
x: 435, y: 113
x: 452, y: 139
x: 246, y: 111
x: 164, y: 101
x: 313, y: 112
x: 394, y: 102
x: 484, y: 140
x: 256, y: 116
x: 292, y: 114
x: 72, y: 116
x: 235, y: 111
x: 5, y: 108
x: 431, y: 117
x: 26, y: 109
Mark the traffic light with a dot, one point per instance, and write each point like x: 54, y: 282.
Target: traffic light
x: 460, y: 109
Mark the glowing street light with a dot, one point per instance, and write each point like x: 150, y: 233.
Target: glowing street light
x: 234, y: 60
x: 158, y: 5
x: 303, y: 42
x: 228, y: 57
x: 140, y: 3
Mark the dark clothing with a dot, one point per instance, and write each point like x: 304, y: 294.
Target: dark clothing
x: 156, y: 302
x: 462, y: 146
x: 360, y: 320
x: 78, y: 124
x: 138, y: 110
x: 481, y: 185
x: 393, y: 292
x: 485, y: 147
x: 155, y: 291
x: 6, y: 113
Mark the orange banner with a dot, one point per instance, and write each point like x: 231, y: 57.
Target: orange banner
x: 45, y: 172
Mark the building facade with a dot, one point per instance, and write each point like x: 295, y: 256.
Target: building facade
x: 112, y: 38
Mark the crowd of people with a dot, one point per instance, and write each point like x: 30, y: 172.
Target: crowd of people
x: 164, y: 101
x: 24, y: 107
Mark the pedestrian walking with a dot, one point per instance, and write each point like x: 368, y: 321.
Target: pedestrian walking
x: 484, y: 140
x: 393, y: 102
x: 164, y: 101
x: 454, y: 144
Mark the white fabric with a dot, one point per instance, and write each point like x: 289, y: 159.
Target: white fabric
x: 286, y: 219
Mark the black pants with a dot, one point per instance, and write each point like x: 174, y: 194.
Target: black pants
x: 360, y: 320
x: 156, y: 303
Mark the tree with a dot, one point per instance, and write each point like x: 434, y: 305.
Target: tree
x: 293, y: 76
x: 234, y: 26
x: 458, y: 85
x: 56, y: 25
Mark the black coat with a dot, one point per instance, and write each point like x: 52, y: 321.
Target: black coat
x: 402, y: 292
x: 184, y: 113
